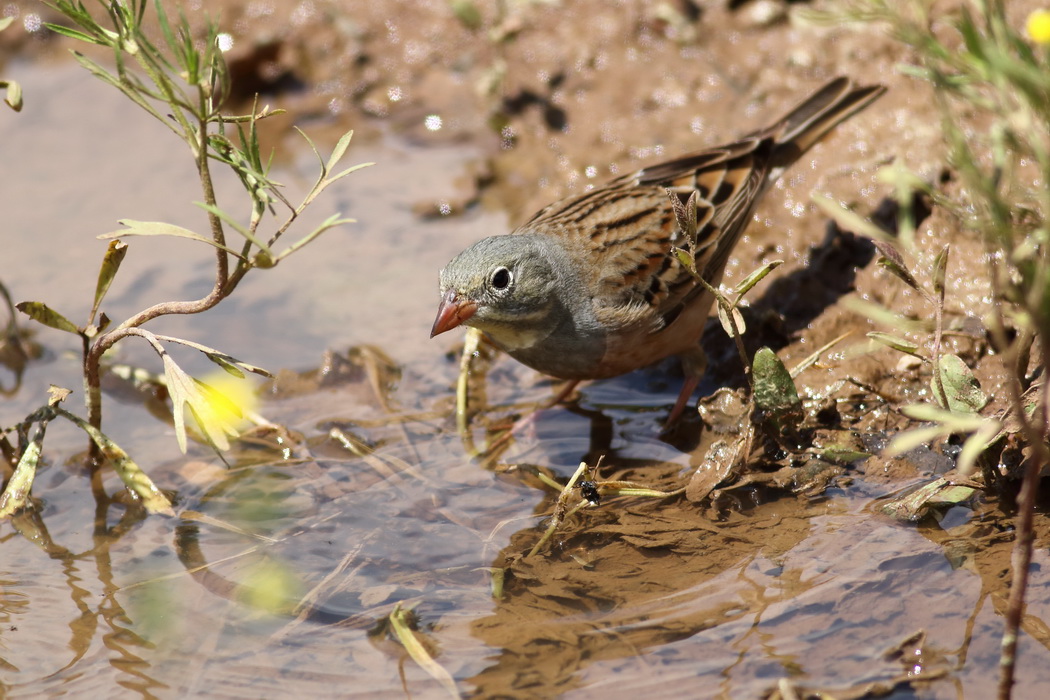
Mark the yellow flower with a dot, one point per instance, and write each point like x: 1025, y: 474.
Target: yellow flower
x: 227, y: 400
x: 1038, y: 26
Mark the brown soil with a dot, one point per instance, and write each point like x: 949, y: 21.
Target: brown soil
x: 556, y: 97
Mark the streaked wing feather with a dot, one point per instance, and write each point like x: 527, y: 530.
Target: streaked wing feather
x: 630, y: 229
x: 627, y: 228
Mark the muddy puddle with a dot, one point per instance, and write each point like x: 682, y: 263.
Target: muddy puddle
x: 280, y: 570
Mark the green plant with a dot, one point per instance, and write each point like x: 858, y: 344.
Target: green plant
x: 985, y: 72
x: 183, y: 83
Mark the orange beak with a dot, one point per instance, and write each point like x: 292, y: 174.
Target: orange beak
x: 452, y: 312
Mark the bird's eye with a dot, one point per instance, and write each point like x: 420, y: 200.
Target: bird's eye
x: 501, y: 278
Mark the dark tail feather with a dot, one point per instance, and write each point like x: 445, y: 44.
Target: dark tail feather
x: 807, y: 124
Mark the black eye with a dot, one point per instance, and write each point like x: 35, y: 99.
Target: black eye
x: 500, y: 278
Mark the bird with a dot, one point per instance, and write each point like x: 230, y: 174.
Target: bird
x: 591, y: 287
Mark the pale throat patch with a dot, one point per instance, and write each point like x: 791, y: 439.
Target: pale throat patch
x: 517, y: 338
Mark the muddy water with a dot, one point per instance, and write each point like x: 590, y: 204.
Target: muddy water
x: 277, y: 573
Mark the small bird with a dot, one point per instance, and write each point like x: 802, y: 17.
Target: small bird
x: 590, y: 287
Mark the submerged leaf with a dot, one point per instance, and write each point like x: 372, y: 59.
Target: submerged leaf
x: 717, y: 468
x: 845, y: 452
x: 418, y: 652
x: 272, y: 586
x: 914, y: 506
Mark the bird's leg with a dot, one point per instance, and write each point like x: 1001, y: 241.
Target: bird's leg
x: 694, y: 363
x: 563, y: 394
x: 528, y: 422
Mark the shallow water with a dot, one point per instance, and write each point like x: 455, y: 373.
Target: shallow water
x: 656, y: 596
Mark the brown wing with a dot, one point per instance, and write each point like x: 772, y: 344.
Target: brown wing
x: 625, y: 229
x: 628, y: 229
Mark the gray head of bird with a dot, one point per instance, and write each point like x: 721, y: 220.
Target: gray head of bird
x: 510, y: 287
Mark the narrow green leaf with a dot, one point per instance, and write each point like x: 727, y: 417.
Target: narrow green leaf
x: 940, y: 265
x: 159, y: 228
x: 6, y: 22
x: 115, y: 253
x: 893, y: 261
x: 755, y: 277
x: 899, y: 272
x: 339, y: 151
x: 344, y: 173
x: 42, y: 313
x: 814, y: 356
x: 910, y: 439
x: 881, y: 315
x: 98, y: 71
x: 971, y: 35
x: 317, y: 186
x: 847, y: 220
x: 898, y: 344
x: 953, y: 422
x: 228, y: 367
x: 75, y: 34
x: 130, y: 87
x: 635, y: 490
x: 153, y: 499
x: 328, y: 224
x: 234, y: 366
x: 166, y: 30
x: 976, y: 444
x: 229, y: 219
